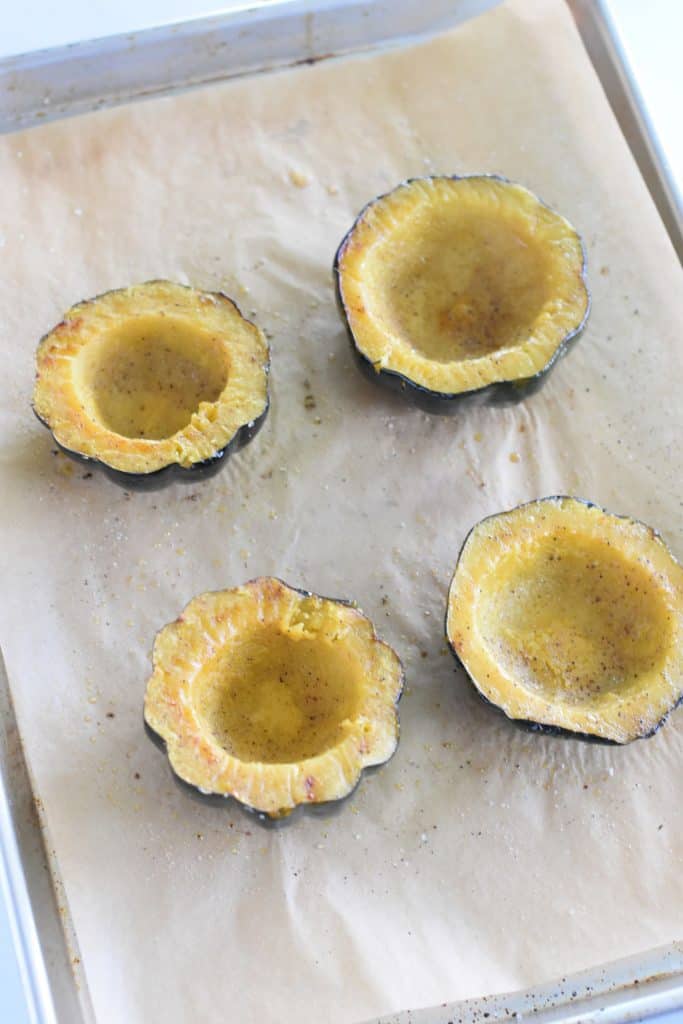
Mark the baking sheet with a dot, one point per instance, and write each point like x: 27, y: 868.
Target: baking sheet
x: 481, y: 859
x: 633, y: 989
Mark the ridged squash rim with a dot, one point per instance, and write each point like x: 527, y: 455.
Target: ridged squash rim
x: 444, y: 401
x: 191, y: 454
x: 272, y: 790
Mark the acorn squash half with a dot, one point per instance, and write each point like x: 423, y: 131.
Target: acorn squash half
x: 459, y: 285
x: 274, y: 696
x: 153, y: 380
x: 570, y: 618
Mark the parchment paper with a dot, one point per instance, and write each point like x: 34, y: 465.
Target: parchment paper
x: 481, y: 858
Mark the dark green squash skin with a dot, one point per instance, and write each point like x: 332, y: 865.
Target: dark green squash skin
x: 540, y: 727
x: 323, y: 809
x: 505, y: 392
x: 159, y: 479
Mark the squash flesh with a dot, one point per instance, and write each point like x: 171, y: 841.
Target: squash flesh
x: 272, y: 696
x: 458, y: 283
x: 568, y: 616
x: 472, y: 287
x: 151, y: 376
x: 575, y: 621
x: 277, y: 698
x: 146, y: 378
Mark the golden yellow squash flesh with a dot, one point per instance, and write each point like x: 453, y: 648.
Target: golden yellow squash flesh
x: 149, y: 377
x: 153, y: 376
x: 273, y: 696
x: 455, y: 284
x: 565, y: 615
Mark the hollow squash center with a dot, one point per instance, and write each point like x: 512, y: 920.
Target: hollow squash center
x: 147, y: 376
x: 279, y: 699
x: 575, y: 624
x: 457, y: 285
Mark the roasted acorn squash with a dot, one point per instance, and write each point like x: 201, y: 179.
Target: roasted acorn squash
x: 151, y: 379
x: 273, y: 696
x: 456, y: 285
x: 570, y: 619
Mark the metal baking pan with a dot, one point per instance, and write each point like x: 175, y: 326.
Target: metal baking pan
x: 52, y: 84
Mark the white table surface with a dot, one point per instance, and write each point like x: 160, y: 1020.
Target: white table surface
x: 651, y: 33
x: 13, y: 1008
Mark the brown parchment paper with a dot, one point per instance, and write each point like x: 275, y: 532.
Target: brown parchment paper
x: 481, y: 858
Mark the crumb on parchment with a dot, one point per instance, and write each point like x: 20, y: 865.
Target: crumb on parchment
x: 298, y: 178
